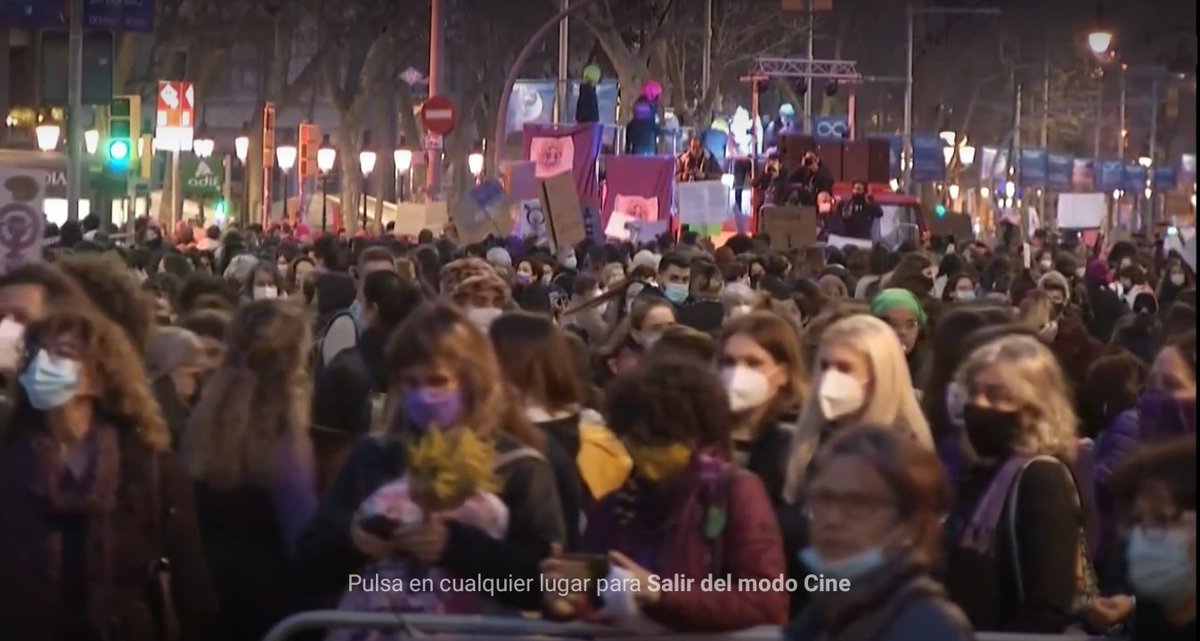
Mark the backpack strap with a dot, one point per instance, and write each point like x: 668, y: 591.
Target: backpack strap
x: 1014, y: 493
x: 511, y: 456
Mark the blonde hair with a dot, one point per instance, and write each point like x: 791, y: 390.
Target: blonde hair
x: 892, y: 401
x: 258, y: 396
x: 1035, y: 383
x: 1036, y: 310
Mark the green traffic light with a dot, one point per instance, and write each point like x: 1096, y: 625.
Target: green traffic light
x: 219, y: 207
x: 118, y: 150
x: 940, y: 210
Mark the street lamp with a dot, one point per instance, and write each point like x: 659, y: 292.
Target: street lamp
x: 475, y: 164
x: 985, y: 193
x: 286, y: 156
x: 203, y: 147
x: 948, y: 155
x: 948, y: 137
x: 241, y: 147
x: 1100, y: 41
x: 366, y: 163
x: 953, y: 190
x: 402, y: 158
x: 1010, y: 189
x: 48, y: 133
x: 326, y: 157
x: 1145, y: 162
x: 966, y: 155
x: 91, y: 141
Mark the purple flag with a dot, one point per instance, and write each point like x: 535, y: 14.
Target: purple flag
x: 575, y: 148
x: 645, y: 181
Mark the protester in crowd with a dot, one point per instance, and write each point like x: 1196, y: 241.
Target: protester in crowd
x: 904, y: 313
x: 588, y: 321
x: 675, y: 419
x: 114, y: 291
x: 336, y: 330
x: 861, y: 378
x: 1156, y: 494
x: 1175, y: 278
x: 874, y: 506
x: 1017, y: 560
x: 483, y: 299
x: 443, y: 375
x: 961, y: 288
x: 856, y: 216
x: 648, y: 316
x: 209, y: 326
x: 92, y: 498
x: 348, y: 391
x: 239, y: 268
x: 264, y: 283
x: 248, y: 448
x: 28, y: 291
x: 531, y: 350
x: 176, y: 365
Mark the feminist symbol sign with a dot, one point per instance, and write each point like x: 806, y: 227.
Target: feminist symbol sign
x: 20, y: 231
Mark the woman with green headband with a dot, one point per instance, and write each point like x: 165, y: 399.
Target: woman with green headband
x: 900, y: 309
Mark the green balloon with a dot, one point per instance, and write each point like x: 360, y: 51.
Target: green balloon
x: 591, y: 74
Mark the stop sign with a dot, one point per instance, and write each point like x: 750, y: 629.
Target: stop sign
x: 437, y: 114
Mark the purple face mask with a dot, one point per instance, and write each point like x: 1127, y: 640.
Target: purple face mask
x: 428, y: 408
x: 1164, y: 416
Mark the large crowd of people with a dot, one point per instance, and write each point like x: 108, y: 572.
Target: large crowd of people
x: 206, y: 430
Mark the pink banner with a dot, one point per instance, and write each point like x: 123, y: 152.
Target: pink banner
x: 557, y: 148
x: 639, y: 186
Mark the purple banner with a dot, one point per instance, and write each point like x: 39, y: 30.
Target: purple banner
x: 575, y: 148
x: 646, y: 182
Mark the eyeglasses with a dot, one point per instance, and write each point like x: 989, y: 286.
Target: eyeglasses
x: 853, y: 505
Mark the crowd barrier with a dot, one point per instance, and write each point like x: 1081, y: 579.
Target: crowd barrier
x: 473, y: 628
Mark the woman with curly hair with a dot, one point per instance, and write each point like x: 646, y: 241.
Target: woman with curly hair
x: 685, y: 510
x: 455, y: 429
x: 248, y: 449
x: 91, y: 494
x: 116, y: 292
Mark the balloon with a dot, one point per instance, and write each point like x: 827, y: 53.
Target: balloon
x: 652, y: 90
x: 591, y: 74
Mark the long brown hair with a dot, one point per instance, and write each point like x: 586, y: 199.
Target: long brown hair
x: 533, y: 354
x: 117, y: 372
x: 440, y: 333
x: 778, y: 338
x: 256, y: 397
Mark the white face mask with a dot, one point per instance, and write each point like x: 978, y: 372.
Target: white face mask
x: 839, y: 395
x: 483, y: 317
x: 965, y: 294
x: 571, y: 262
x: 1080, y: 272
x: 1046, y: 265
x: 265, y: 292
x: 1178, y: 279
x: 748, y: 388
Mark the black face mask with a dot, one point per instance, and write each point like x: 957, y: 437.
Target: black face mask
x: 992, y: 433
x: 859, y: 198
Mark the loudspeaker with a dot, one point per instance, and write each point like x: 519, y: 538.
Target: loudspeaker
x: 830, y: 152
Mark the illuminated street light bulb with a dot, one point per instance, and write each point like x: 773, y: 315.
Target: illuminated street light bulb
x: 1100, y: 41
x: 966, y: 155
x: 286, y: 155
x: 894, y: 184
x: 326, y: 156
x: 948, y: 154
x: 366, y: 162
x: 1116, y: 194
x: 1145, y: 161
x: 948, y: 137
x: 985, y: 193
x: 953, y: 190
x: 91, y: 141
x: 475, y: 163
x: 241, y: 146
x: 403, y: 159
x: 203, y: 147
x: 1010, y: 189
x: 1149, y: 193
x: 47, y: 135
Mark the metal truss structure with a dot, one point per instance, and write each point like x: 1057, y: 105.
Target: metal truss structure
x: 840, y: 70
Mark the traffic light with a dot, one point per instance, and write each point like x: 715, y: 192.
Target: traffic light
x: 940, y: 210
x: 124, y: 124
x: 219, y: 208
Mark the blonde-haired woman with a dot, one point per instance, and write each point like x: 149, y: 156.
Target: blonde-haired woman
x: 455, y: 428
x: 91, y: 495
x: 248, y: 448
x: 862, y: 379
x: 1037, y: 313
x: 1016, y: 560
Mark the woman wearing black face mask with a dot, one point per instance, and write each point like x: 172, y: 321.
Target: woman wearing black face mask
x: 1015, y: 533
x: 176, y: 364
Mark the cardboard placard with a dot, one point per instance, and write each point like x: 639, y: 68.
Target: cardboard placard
x: 703, y: 203
x: 789, y: 227
x: 486, y: 210
x: 952, y: 224
x: 21, y: 221
x: 560, y: 202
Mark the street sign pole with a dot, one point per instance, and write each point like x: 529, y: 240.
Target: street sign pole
x: 75, y: 112
x: 176, y: 192
x: 433, y: 176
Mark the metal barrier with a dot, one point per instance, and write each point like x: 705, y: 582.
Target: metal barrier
x: 473, y: 628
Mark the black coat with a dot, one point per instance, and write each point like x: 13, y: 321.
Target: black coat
x: 562, y: 451
x: 32, y: 606
x: 326, y: 555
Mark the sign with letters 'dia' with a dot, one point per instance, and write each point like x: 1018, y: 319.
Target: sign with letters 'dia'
x: 702, y: 203
x: 21, y: 220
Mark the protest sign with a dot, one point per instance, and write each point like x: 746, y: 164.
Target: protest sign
x: 484, y: 211
x: 789, y: 227
x: 703, y: 203
x: 560, y: 202
x: 21, y: 219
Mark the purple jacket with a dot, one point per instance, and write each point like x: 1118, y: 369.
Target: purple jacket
x: 1114, y: 446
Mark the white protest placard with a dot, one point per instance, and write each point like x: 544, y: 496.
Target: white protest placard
x: 531, y: 219
x: 841, y: 241
x: 21, y: 219
x: 618, y: 226
x: 1081, y: 211
x: 703, y: 203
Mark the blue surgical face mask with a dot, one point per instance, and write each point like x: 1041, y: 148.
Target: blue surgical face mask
x: 676, y: 292
x: 50, y: 381
x: 849, y: 568
x: 1160, y: 568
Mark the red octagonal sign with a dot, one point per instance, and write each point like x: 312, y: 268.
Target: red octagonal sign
x: 437, y: 114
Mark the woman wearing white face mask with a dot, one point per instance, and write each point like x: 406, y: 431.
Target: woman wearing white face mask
x: 862, y: 378
x: 1157, y: 493
x: 264, y: 283
x: 483, y: 298
x: 874, y: 506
